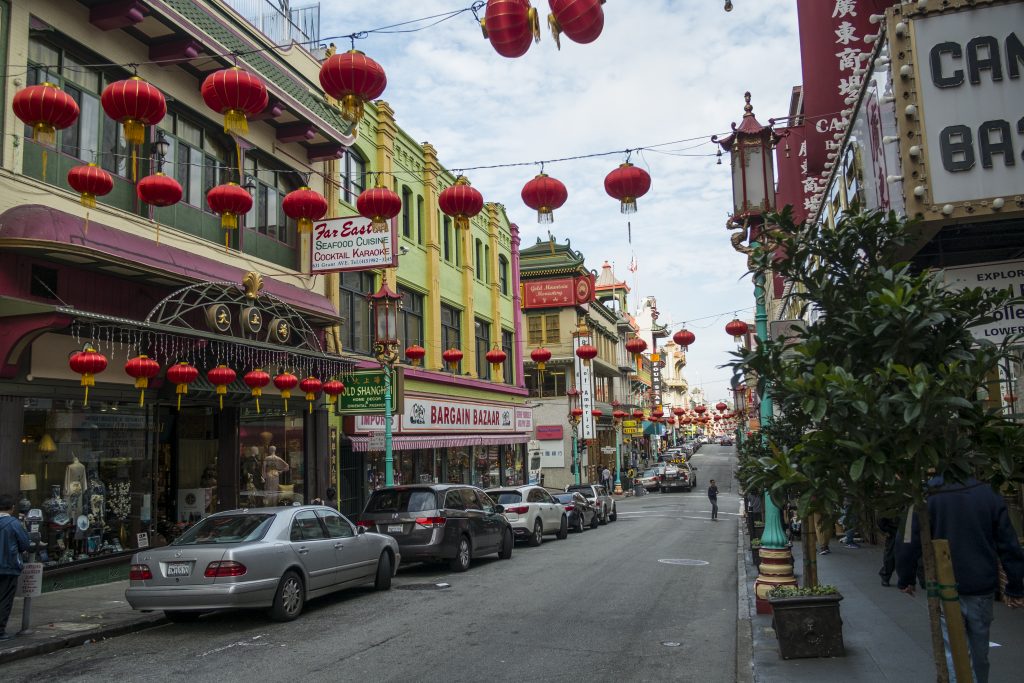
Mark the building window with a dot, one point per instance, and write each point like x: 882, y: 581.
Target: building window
x: 542, y: 329
x: 353, y: 175
x: 482, y: 332
x: 487, y: 264
x: 552, y: 334
x: 478, y: 259
x: 410, y: 318
x: 355, y: 329
x: 447, y: 238
x: 508, y: 346
x: 406, y: 212
x: 503, y: 275
x: 451, y: 329
x: 272, y: 183
x: 419, y: 219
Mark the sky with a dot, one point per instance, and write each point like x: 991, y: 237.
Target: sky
x: 662, y: 71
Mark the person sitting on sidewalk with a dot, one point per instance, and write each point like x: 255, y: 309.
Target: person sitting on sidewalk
x: 974, y: 519
x: 13, y: 542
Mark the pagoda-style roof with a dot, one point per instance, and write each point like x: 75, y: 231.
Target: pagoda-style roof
x: 548, y: 257
x: 606, y: 280
x: 749, y: 127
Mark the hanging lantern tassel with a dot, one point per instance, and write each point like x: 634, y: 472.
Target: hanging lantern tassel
x: 179, y: 390
x: 534, y: 24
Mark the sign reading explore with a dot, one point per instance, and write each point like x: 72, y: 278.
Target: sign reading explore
x: 364, y: 393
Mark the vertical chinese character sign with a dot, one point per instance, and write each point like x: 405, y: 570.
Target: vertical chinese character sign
x: 585, y: 385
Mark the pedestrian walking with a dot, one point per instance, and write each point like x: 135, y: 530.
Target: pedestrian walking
x: 13, y: 542
x: 974, y: 519
x: 606, y: 479
x: 824, y: 529
x: 849, y: 522
x: 713, y: 497
x: 888, y: 526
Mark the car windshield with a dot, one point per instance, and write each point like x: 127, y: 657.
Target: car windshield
x: 563, y: 497
x: 585, y: 490
x: 240, y: 528
x: 651, y: 473
x: 506, y: 497
x: 401, y: 500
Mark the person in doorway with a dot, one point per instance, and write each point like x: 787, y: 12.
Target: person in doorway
x: 975, y: 521
x: 713, y: 497
x: 13, y: 542
x: 606, y: 479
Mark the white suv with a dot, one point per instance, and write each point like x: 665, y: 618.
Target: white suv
x: 532, y: 512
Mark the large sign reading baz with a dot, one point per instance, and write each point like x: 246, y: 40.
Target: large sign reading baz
x: 350, y: 243
x: 439, y: 415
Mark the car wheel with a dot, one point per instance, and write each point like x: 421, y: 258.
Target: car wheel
x: 289, y: 598
x: 506, y: 545
x: 383, y: 580
x: 537, y: 537
x: 663, y: 489
x: 563, y: 529
x: 579, y: 524
x: 181, y: 617
x: 604, y: 517
x: 595, y: 521
x: 614, y: 516
x: 460, y: 562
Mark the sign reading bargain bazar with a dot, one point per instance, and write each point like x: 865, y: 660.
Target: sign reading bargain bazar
x: 434, y: 415
x: 350, y: 243
x: 555, y: 292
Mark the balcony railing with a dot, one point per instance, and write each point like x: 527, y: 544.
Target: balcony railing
x: 281, y: 22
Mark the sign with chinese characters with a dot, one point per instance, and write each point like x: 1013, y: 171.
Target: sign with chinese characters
x: 970, y: 101
x: 364, y: 393
x: 585, y: 385
x: 1008, y: 275
x: 552, y: 454
x: 524, y: 419
x: 555, y: 292
x: 350, y: 243
x: 440, y: 415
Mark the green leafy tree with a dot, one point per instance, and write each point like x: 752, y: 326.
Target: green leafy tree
x: 883, y: 381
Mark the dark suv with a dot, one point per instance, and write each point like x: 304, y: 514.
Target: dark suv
x: 432, y: 522
x: 599, y: 498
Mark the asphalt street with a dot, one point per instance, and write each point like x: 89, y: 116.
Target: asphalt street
x: 650, y: 597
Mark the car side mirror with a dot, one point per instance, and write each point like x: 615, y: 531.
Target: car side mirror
x: 498, y: 509
x: 360, y: 530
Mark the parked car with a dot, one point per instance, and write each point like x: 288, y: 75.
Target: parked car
x: 599, y: 498
x: 532, y: 512
x: 581, y: 513
x: 649, y: 479
x: 434, y: 522
x: 271, y: 558
x: 676, y: 476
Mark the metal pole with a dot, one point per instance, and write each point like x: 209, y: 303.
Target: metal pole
x: 575, y: 453
x: 618, y: 458
x: 389, y: 462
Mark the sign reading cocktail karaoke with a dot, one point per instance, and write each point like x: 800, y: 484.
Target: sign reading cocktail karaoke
x: 364, y: 393
x: 351, y: 243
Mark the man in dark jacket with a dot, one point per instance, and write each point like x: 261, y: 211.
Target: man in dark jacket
x: 13, y: 542
x: 973, y: 518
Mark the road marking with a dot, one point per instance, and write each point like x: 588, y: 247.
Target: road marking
x: 659, y: 514
x: 686, y: 563
x: 670, y: 643
x: 240, y: 643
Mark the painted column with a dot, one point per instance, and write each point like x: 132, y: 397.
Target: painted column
x: 495, y: 289
x: 432, y: 312
x: 517, y: 308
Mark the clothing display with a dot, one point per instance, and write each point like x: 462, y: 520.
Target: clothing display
x: 76, y: 484
x: 273, y: 465
x: 97, y: 499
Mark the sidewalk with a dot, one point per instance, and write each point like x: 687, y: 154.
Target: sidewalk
x: 885, y: 632
x: 72, y: 617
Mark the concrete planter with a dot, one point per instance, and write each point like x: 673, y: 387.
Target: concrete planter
x: 808, y: 626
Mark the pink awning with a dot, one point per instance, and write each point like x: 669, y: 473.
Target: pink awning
x: 360, y: 444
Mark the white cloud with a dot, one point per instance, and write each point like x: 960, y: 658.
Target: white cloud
x: 662, y: 70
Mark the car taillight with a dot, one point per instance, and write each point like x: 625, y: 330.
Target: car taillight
x: 365, y: 523
x: 140, y: 572
x: 430, y: 522
x: 518, y: 509
x: 229, y: 568
x: 569, y: 508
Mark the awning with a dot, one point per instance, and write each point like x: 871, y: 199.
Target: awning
x: 361, y: 444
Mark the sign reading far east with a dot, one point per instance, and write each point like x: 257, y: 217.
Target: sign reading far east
x: 350, y: 243
x: 364, y: 393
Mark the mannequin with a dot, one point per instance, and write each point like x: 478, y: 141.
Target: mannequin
x: 273, y: 465
x: 76, y: 486
x: 251, y: 476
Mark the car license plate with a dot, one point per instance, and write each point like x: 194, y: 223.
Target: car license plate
x: 179, y: 569
x: 395, y: 528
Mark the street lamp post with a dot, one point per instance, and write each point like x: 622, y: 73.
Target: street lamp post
x: 617, y: 416
x: 384, y: 307
x: 753, y: 189
x: 575, y: 414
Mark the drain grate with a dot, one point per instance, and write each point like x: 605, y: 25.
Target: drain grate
x: 422, y: 587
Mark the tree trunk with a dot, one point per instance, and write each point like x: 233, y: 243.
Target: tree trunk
x: 809, y: 544
x: 934, y: 608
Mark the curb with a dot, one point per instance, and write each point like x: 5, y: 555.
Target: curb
x: 744, y: 624
x: 59, y: 643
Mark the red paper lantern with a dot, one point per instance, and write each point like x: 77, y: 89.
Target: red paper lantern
x: 230, y: 200
x: 580, y: 20
x: 134, y: 104
x: 220, y: 377
x: 636, y: 346
x: 460, y: 201
x: 181, y: 375
x: 627, y: 183
x: 415, y: 353
x: 540, y: 356
x: 678, y: 412
x: 586, y: 352
x: 619, y: 415
x: 596, y: 412
x: 510, y: 25
x: 90, y: 181
x: 684, y: 338
x: 285, y: 382
x: 737, y: 328
x: 452, y: 357
x: 159, y: 190
x: 312, y: 387
x: 333, y: 388
x: 88, y: 363
x: 142, y: 369
x: 237, y: 94
x: 496, y: 357
x: 256, y: 379
x: 305, y: 206
x: 544, y: 194
x: 353, y: 79
x: 47, y: 109
x: 576, y: 413
x: 700, y: 409
x: 380, y: 205
x: 720, y: 406
x: 638, y: 414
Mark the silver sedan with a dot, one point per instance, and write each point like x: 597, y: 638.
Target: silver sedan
x: 271, y: 558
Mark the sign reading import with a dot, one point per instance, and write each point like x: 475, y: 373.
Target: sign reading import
x: 350, y: 243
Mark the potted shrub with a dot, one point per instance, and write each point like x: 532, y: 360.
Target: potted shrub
x: 755, y: 548
x: 807, y: 621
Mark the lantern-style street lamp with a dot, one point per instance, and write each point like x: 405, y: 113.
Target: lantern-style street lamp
x: 618, y: 414
x: 384, y: 307
x: 753, y: 190
x: 575, y: 414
